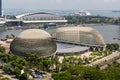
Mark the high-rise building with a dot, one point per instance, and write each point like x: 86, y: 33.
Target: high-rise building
x: 0, y: 8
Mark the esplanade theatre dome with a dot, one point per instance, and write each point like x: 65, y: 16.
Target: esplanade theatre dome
x: 79, y: 35
x: 33, y: 41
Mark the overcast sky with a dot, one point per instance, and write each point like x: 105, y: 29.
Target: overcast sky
x: 62, y: 4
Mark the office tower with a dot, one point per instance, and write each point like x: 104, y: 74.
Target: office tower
x: 0, y: 8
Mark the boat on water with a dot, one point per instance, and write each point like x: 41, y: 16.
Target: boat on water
x: 83, y: 13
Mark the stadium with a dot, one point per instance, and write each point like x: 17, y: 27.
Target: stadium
x: 41, y: 18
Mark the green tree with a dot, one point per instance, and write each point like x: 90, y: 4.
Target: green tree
x: 112, y: 47
x: 112, y: 72
x: 19, y: 62
x: 46, y: 63
x: 6, y: 68
x: 23, y: 77
x: 92, y: 74
x: 33, y: 60
x: 2, y: 49
x: 62, y: 76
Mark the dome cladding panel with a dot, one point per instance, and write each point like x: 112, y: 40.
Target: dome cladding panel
x: 84, y: 35
x: 42, y: 46
x: 34, y: 34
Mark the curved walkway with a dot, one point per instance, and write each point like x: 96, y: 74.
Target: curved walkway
x: 107, y: 58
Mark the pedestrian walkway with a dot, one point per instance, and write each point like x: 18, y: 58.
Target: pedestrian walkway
x: 107, y: 58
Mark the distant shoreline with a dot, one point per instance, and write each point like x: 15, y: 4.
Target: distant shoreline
x: 92, y: 20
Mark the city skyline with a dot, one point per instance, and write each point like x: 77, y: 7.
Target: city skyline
x: 62, y: 4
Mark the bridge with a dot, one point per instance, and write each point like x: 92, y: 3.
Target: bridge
x: 3, y: 21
